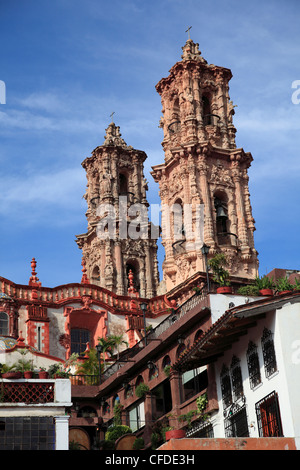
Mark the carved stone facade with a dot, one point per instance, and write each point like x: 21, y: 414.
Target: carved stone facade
x: 203, y: 172
x: 119, y: 233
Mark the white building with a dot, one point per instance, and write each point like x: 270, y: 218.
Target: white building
x: 255, y: 347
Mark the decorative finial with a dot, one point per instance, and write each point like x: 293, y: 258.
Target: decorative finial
x: 112, y: 116
x: 188, y: 31
x: 113, y: 136
x: 34, y: 280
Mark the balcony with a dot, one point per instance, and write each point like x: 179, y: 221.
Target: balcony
x: 35, y: 392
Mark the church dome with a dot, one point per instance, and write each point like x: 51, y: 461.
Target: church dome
x: 7, y: 342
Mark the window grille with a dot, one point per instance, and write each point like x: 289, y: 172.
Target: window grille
x: 236, y: 377
x: 226, y: 387
x: 236, y: 424
x: 268, y: 352
x: 200, y: 429
x: 79, y: 339
x: 4, y: 324
x: 253, y: 365
x: 268, y: 416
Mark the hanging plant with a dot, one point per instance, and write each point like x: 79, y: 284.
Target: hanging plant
x: 201, y: 403
x: 141, y: 390
x: 118, y: 414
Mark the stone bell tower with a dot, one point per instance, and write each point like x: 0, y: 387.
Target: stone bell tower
x: 204, y: 177
x: 119, y: 237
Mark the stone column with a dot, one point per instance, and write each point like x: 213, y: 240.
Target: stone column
x: 148, y: 416
x: 149, y: 285
x: 175, y: 384
x: 62, y: 432
x: 208, y: 220
x: 242, y: 228
x: 119, y: 268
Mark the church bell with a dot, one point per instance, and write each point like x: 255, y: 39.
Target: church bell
x: 221, y: 213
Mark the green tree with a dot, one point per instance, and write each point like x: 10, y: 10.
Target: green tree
x: 117, y: 340
x: 91, y: 364
x: 107, y: 347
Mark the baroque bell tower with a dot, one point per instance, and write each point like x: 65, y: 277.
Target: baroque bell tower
x: 119, y: 237
x: 204, y: 176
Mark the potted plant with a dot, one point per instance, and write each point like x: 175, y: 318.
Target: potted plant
x: 175, y: 434
x: 25, y: 367
x: 221, y: 276
x: 56, y: 371
x: 249, y: 290
x: 265, y: 285
x: 43, y: 374
x: 10, y: 372
x: 283, y: 285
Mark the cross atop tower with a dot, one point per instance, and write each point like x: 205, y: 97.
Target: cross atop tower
x: 188, y: 31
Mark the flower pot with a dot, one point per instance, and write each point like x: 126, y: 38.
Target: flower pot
x: 224, y: 290
x: 266, y: 292
x: 43, y: 374
x: 12, y: 375
x: 28, y: 374
x: 175, y: 434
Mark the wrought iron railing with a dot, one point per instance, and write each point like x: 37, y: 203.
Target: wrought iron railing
x: 85, y: 379
x: 27, y: 392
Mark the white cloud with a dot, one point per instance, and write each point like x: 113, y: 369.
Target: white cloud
x: 30, y: 198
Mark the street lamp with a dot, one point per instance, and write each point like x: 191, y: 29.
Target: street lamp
x: 99, y: 348
x: 144, y: 307
x: 205, y: 251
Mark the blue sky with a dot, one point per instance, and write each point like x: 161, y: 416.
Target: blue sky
x: 67, y: 64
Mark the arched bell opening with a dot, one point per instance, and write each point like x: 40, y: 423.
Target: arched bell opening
x: 133, y: 275
x: 222, y: 221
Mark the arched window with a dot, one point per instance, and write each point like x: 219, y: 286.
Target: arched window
x: 236, y: 378
x: 79, y: 338
x: 180, y: 350
x: 198, y: 335
x: 139, y: 380
x: 4, y: 324
x: 106, y: 408
x: 133, y: 265
x: 123, y: 184
x: 153, y: 371
x: 207, y: 116
x: 87, y: 412
x: 222, y: 221
x: 96, y: 275
x: 253, y: 365
x: 226, y: 387
x: 166, y: 361
x: 268, y: 352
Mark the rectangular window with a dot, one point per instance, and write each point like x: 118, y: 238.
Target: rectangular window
x: 268, y: 416
x: 79, y: 340
x: 137, y: 417
x: 193, y: 382
x: 236, y: 424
